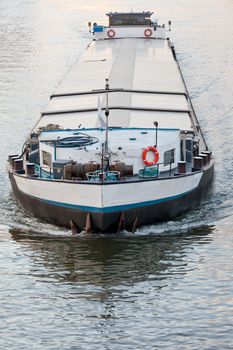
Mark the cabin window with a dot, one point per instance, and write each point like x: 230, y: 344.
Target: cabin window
x: 47, y: 159
x: 169, y: 157
x: 129, y: 19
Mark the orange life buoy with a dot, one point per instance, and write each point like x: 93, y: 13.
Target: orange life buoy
x: 111, y: 33
x: 147, y: 32
x: 156, y: 155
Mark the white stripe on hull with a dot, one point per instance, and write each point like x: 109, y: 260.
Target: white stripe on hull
x: 147, y: 191
x: 61, y: 192
x: 111, y: 195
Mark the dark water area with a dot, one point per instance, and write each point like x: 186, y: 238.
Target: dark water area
x: 168, y: 286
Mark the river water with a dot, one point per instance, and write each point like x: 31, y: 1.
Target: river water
x: 168, y: 286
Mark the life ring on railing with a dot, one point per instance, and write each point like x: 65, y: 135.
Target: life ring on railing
x: 155, y: 152
x: 147, y: 32
x: 111, y: 33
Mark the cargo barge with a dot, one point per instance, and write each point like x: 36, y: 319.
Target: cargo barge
x: 119, y: 144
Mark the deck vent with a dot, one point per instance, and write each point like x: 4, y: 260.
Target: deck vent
x: 11, y: 158
x: 198, y: 163
x: 208, y: 153
x: 30, y: 169
x: 205, y: 158
x: 18, y: 166
x: 181, y: 167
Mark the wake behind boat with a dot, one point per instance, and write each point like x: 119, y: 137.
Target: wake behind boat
x: 119, y: 145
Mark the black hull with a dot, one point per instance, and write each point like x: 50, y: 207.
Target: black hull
x: 115, y: 221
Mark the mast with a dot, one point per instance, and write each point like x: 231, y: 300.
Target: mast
x: 106, y: 115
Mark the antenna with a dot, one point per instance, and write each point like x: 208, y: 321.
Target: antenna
x: 106, y: 115
x: 156, y: 135
x: 169, y: 23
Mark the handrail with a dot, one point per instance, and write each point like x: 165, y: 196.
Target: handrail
x: 117, y: 107
x: 156, y: 166
x: 101, y: 91
x: 43, y: 174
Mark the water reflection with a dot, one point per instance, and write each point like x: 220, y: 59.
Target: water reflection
x: 113, y: 261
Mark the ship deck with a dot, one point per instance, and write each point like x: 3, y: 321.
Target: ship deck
x: 145, y: 86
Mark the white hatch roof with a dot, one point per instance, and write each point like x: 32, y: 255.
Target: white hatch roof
x: 137, y: 64
x: 150, y: 87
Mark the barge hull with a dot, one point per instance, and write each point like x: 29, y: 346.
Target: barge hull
x: 114, y: 221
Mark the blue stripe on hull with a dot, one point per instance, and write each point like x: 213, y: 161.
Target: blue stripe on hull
x: 112, y: 209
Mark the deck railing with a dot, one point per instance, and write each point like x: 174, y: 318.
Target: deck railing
x: 147, y: 172
x: 153, y: 170
x: 43, y: 174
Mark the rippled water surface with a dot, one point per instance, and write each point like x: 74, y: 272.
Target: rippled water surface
x: 169, y: 286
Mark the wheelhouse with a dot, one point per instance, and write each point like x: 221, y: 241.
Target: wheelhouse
x: 129, y: 19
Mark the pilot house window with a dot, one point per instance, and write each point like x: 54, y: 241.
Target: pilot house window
x: 129, y: 19
x: 169, y: 157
